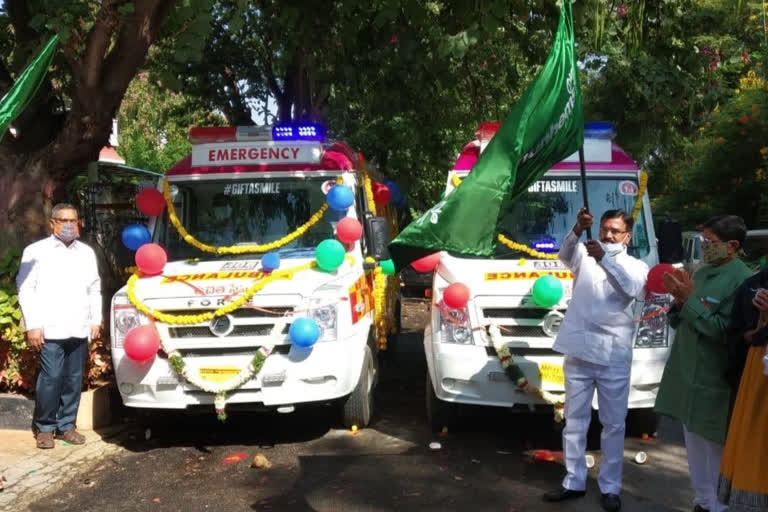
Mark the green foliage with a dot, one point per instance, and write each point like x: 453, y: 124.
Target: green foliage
x: 724, y: 168
x: 664, y: 69
x: 17, y: 362
x: 154, y: 122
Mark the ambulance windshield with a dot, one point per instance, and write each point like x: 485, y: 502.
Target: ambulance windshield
x: 542, y: 217
x: 248, y: 211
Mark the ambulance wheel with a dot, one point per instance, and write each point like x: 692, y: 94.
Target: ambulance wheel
x: 358, y: 406
x: 440, y: 414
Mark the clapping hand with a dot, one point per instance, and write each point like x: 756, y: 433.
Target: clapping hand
x: 680, y: 284
x: 761, y: 303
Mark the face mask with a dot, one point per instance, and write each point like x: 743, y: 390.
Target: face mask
x: 612, y: 248
x: 66, y: 233
x: 713, y: 253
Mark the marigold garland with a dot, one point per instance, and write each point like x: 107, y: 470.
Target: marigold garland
x: 381, y: 316
x: 368, y: 186
x: 525, y: 249
x: 516, y: 375
x: 238, y: 249
x: 204, y: 317
x: 640, y: 193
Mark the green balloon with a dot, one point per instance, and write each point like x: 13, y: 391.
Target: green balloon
x: 387, y: 267
x: 547, y: 291
x: 330, y: 255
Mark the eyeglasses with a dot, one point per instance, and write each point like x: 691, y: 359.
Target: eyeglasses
x: 612, y: 231
x: 65, y: 221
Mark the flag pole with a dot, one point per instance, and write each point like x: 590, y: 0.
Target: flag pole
x: 584, y: 185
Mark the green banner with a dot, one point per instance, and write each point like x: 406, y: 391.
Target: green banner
x: 545, y: 127
x: 25, y: 87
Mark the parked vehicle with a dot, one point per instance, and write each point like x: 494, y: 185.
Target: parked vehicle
x: 463, y: 365
x: 242, y: 187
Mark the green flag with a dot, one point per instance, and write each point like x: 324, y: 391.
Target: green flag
x: 545, y: 127
x: 22, y: 92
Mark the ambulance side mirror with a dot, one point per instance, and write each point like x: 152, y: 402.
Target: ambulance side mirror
x: 377, y: 236
x: 670, y: 238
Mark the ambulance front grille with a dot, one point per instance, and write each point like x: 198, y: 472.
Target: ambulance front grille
x: 245, y: 312
x: 522, y: 331
x: 238, y: 331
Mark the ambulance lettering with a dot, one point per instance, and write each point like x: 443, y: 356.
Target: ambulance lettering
x: 526, y: 276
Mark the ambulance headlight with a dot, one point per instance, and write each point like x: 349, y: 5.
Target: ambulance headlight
x: 454, y: 325
x: 325, y: 316
x: 653, y: 329
x: 124, y: 318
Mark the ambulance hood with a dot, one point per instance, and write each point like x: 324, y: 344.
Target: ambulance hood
x: 500, y: 277
x: 229, y: 278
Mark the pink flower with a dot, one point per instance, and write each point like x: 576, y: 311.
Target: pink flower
x: 623, y: 10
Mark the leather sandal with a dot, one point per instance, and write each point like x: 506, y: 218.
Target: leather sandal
x: 71, y: 436
x: 45, y: 440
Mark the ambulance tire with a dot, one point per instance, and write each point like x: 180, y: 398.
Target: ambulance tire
x: 440, y: 414
x: 357, y: 408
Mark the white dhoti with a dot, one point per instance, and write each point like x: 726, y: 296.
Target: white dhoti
x: 704, y: 468
x: 612, y: 384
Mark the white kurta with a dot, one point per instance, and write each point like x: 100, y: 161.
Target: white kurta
x: 596, y: 337
x: 59, y: 288
x: 599, y: 324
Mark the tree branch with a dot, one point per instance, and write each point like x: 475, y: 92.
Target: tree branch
x: 90, y: 64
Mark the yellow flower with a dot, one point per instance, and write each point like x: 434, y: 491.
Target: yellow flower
x: 753, y: 17
x: 764, y: 151
x: 719, y: 140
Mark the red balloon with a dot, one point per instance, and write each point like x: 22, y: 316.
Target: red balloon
x: 150, y: 202
x: 349, y: 230
x: 427, y: 263
x: 655, y: 283
x: 456, y: 295
x: 141, y: 343
x: 381, y: 193
x: 150, y: 259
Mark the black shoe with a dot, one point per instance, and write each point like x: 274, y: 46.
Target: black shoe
x: 699, y: 508
x: 611, y: 502
x: 562, y: 494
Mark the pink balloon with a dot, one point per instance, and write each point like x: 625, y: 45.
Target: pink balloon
x: 150, y: 202
x: 427, y: 263
x: 349, y: 230
x: 456, y: 295
x: 151, y: 259
x: 141, y: 343
x: 381, y: 193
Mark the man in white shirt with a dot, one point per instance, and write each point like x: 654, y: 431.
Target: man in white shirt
x: 60, y: 298
x: 596, y: 339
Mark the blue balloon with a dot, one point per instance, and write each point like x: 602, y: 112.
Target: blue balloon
x: 270, y: 261
x: 135, y: 235
x: 304, y: 332
x: 340, y: 197
x: 394, y: 188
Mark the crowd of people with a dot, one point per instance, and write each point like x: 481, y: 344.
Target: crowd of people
x: 714, y: 382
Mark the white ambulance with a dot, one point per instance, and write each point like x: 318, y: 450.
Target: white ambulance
x: 462, y: 359
x: 246, y: 186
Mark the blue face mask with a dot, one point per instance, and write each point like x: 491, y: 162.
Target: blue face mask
x: 67, y: 233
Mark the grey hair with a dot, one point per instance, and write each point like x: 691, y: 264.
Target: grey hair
x: 63, y: 206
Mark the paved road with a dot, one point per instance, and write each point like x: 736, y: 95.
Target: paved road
x: 197, y: 464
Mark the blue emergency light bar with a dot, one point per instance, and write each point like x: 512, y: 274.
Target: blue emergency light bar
x: 298, y: 131
x: 599, y: 130
x: 546, y: 245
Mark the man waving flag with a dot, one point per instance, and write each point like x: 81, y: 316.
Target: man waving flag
x: 545, y: 127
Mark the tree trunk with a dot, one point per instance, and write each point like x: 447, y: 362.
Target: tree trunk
x: 29, y: 191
